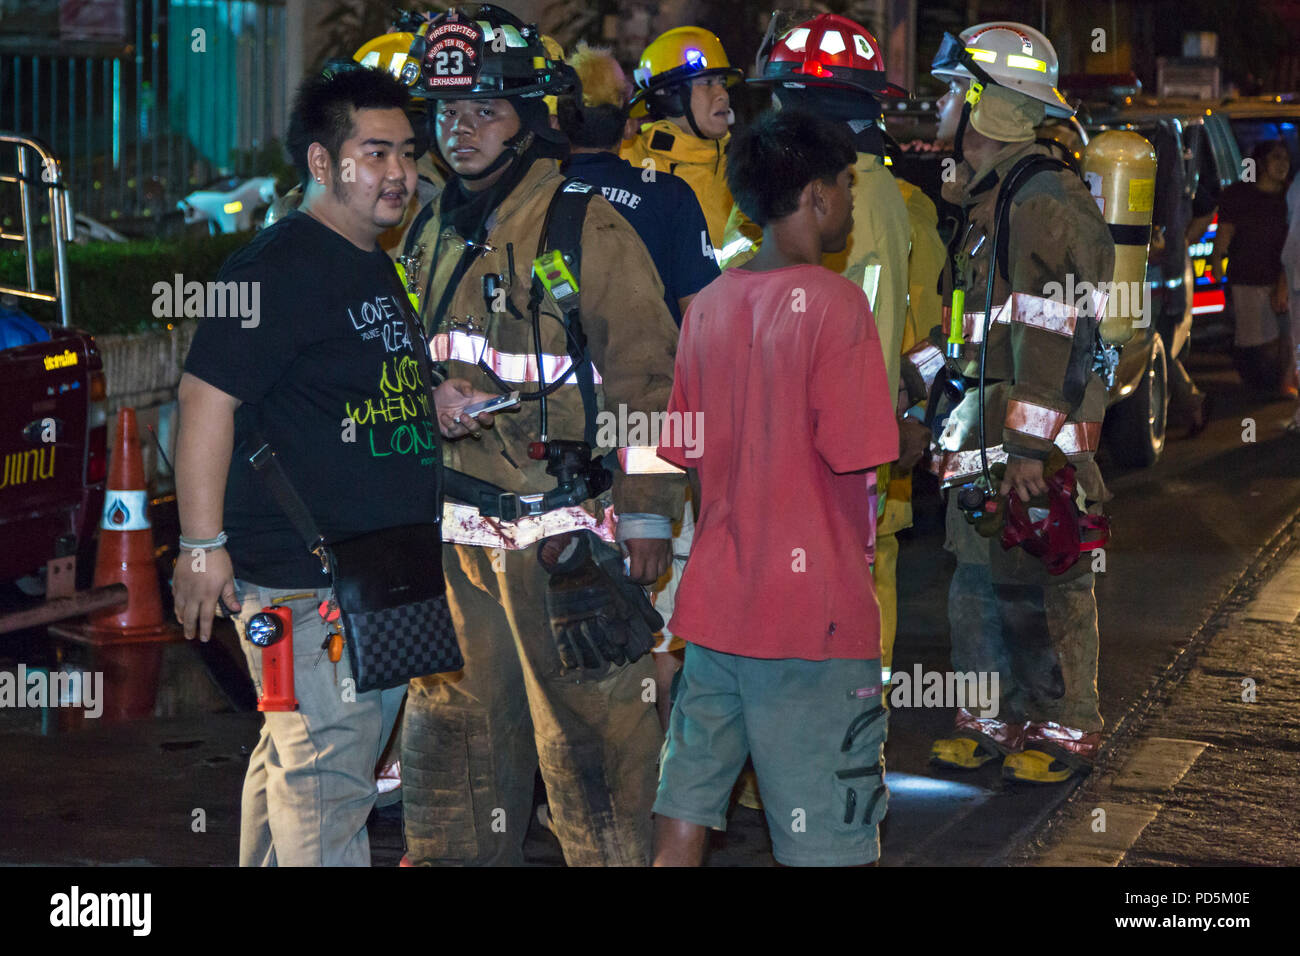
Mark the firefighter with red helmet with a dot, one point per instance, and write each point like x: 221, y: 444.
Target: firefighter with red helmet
x: 1031, y: 364
x: 833, y: 67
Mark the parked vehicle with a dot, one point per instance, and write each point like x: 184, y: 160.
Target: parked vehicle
x: 53, y: 427
x: 1257, y: 118
x: 230, y: 204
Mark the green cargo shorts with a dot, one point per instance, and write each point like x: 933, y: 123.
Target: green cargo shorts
x: 816, y: 732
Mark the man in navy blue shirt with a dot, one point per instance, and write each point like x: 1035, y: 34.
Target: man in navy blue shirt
x: 663, y: 210
x: 661, y: 207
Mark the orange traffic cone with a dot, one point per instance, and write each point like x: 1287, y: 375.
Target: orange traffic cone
x: 126, y: 553
x: 126, y: 642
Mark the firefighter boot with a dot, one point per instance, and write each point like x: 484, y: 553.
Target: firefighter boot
x: 1053, y: 753
x: 978, y: 741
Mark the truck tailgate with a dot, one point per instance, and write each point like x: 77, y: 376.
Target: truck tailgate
x: 43, y: 447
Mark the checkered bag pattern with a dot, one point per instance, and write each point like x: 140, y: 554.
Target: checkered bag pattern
x: 388, y: 647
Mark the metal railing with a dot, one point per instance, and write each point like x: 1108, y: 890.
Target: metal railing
x: 147, y: 117
x: 47, y: 173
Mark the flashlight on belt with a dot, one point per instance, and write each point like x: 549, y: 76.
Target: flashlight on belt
x: 271, y: 629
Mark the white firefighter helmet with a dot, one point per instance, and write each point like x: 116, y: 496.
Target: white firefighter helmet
x: 1012, y: 55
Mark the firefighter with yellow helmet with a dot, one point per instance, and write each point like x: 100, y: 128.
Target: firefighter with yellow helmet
x: 681, y: 82
x: 1031, y: 366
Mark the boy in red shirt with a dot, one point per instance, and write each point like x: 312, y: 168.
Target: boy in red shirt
x: 781, y: 360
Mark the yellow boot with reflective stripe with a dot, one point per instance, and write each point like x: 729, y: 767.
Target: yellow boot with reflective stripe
x: 1035, y: 766
x: 963, y: 753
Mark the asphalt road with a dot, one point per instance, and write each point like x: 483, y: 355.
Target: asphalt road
x: 1184, y: 533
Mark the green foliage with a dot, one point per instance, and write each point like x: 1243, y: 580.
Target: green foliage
x: 112, y: 282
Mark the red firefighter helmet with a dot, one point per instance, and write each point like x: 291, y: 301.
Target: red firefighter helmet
x: 832, y: 51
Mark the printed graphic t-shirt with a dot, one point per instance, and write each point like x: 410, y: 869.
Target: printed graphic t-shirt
x: 779, y: 392
x: 331, y: 373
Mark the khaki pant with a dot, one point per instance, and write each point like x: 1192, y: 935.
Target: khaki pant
x: 472, y: 740
x: 311, y: 778
x: 1038, y: 633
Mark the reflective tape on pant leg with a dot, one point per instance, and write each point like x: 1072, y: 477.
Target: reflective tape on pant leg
x: 1006, y: 735
x: 1073, y: 741
x: 952, y: 467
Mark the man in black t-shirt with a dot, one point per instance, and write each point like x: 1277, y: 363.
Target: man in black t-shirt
x: 316, y: 347
x: 1252, y: 231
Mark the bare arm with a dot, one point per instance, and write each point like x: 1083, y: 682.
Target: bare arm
x: 1222, y: 239
x: 204, y: 442
x: 684, y: 302
x: 1196, y: 228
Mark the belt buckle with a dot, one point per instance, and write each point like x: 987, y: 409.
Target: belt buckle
x: 531, y: 505
x: 508, y: 506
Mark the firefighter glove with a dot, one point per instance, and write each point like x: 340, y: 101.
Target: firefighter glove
x: 598, y: 616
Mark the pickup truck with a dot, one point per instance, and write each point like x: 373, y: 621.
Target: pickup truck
x: 53, y: 423
x: 53, y: 432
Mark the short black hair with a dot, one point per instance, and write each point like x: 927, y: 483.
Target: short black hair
x: 1259, y: 152
x: 323, y: 107
x: 770, y: 163
x: 590, y: 127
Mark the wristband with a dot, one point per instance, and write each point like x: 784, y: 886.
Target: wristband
x: 203, y: 544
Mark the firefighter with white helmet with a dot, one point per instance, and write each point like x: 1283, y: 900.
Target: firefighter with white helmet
x: 1031, y: 365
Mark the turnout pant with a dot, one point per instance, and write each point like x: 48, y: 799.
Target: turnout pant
x: 472, y: 740
x: 1037, y: 632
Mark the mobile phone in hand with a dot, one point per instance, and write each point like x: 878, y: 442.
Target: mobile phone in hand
x: 497, y: 404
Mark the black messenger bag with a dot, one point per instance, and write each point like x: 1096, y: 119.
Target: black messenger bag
x: 388, y: 585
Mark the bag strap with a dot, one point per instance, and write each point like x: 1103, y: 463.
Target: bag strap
x: 562, y: 230
x: 267, y: 464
